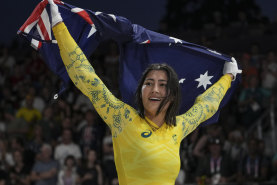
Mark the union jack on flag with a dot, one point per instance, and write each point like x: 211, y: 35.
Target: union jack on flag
x: 197, y: 66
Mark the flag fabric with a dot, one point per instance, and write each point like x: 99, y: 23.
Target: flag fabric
x: 197, y: 67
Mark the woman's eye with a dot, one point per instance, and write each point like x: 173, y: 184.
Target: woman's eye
x: 147, y: 83
x: 162, y: 85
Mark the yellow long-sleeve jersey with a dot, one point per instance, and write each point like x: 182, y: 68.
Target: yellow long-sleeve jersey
x: 142, y: 156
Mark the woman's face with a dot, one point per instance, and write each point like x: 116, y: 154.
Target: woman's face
x: 69, y: 163
x: 92, y: 155
x: 17, y: 157
x: 154, y: 92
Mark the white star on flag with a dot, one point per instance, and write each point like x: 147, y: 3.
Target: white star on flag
x: 204, y: 80
x: 176, y: 40
x: 182, y: 80
x: 97, y: 13
x: 92, y: 31
x: 113, y: 16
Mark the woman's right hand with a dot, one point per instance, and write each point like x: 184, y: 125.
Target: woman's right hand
x: 55, y: 14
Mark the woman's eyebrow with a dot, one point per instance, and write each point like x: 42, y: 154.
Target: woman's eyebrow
x: 151, y: 79
x: 162, y: 80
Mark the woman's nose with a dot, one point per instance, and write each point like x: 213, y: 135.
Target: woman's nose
x: 155, y: 89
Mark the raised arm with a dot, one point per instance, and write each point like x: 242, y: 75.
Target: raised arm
x: 113, y: 111
x: 205, y: 106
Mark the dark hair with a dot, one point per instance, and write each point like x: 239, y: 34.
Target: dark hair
x: 70, y: 157
x: 20, y: 141
x: 172, y: 93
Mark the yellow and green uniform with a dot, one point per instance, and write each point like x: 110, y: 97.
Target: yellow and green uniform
x: 142, y: 156
x: 29, y: 115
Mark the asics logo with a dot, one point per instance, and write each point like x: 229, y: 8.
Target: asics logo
x: 146, y: 134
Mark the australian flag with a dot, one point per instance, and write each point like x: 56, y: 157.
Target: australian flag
x: 197, y: 67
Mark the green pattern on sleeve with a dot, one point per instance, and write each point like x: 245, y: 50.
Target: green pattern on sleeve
x: 205, y: 106
x: 113, y: 111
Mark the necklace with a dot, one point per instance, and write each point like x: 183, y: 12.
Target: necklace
x: 152, y: 127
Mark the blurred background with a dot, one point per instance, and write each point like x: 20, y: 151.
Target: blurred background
x: 42, y: 139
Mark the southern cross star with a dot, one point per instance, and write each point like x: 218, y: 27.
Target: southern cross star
x: 92, y: 31
x: 182, y: 80
x: 204, y: 80
x: 113, y: 16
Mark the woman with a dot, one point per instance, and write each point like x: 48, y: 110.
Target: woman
x: 68, y: 175
x: 146, y: 142
x: 91, y: 173
x: 6, y: 158
x: 20, y: 172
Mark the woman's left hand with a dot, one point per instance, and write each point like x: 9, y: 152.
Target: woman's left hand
x: 231, y: 68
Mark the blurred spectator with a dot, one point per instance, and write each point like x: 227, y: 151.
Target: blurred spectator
x: 34, y: 66
x: 90, y: 133
x: 3, y: 124
x: 66, y: 123
x: 61, y: 110
x: 108, y: 160
x: 4, y: 177
x: 18, y: 144
x: 45, y: 170
x: 8, y: 105
x: 30, y: 114
x: 19, y: 174
x: 78, y: 119
x: 255, y: 55
x: 67, y: 147
x: 38, y: 102
x: 254, y: 167
x: 269, y: 73
x: 49, y: 126
x: 17, y: 77
x: 108, y: 146
x: 68, y: 175
x: 188, y: 159
x: 45, y: 94
x: 216, y: 167
x: 8, y: 101
x: 38, y: 139
x: 266, y: 157
x: 252, y: 101
x: 17, y: 127
x: 248, y: 70
x: 90, y: 172
x: 6, y: 159
x: 212, y: 130
x: 83, y: 103
x: 7, y: 61
x: 235, y: 146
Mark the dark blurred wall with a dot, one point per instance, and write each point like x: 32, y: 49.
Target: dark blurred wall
x: 269, y: 8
